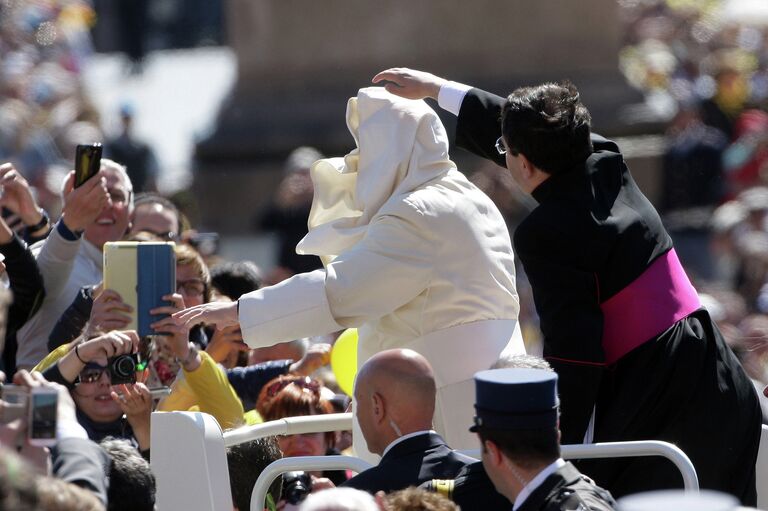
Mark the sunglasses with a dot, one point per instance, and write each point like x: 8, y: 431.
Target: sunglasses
x: 304, y: 382
x: 92, y: 372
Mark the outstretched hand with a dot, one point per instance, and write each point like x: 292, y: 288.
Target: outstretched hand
x: 410, y: 83
x: 221, y: 314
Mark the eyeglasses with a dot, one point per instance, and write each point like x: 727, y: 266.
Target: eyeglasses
x: 304, y: 382
x: 92, y: 373
x: 117, y: 196
x: 500, y: 146
x: 167, y: 235
x: 191, y: 287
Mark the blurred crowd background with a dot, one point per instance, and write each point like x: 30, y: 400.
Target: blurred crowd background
x: 701, y: 66
x: 177, y: 91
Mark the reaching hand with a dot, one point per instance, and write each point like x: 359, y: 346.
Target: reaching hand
x: 17, y: 195
x: 136, y: 403
x: 176, y: 337
x: 221, y: 314
x: 107, y: 313
x: 224, y: 341
x: 316, y: 357
x: 112, y: 344
x: 410, y: 83
x: 82, y: 205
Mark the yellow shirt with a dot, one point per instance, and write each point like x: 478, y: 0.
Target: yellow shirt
x: 52, y: 357
x: 207, y: 390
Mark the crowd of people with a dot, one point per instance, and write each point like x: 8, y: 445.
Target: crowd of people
x: 394, y: 241
x: 705, y: 66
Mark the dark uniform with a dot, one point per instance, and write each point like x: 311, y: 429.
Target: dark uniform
x: 409, y: 463
x: 514, y: 400
x: 622, y: 324
x: 566, y: 489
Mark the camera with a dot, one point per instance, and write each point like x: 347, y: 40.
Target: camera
x: 122, y: 369
x: 296, y: 486
x: 39, y: 405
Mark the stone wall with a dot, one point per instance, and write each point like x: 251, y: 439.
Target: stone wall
x: 299, y: 62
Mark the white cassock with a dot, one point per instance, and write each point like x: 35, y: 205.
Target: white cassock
x: 415, y: 257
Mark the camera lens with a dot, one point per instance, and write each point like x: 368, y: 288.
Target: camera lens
x: 124, y: 366
x: 296, y: 486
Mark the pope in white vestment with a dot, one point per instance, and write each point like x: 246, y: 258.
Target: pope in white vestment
x: 415, y: 257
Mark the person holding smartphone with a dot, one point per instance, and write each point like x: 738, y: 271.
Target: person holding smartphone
x: 70, y: 258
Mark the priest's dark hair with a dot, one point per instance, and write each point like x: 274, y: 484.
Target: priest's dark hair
x: 528, y: 448
x: 549, y: 125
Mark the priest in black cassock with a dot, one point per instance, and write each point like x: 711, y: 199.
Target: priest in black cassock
x: 637, y: 356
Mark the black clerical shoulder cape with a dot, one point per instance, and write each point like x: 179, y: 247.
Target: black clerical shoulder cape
x: 409, y: 463
x: 591, y: 239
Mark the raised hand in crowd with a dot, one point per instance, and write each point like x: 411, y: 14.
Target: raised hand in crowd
x: 317, y: 356
x: 98, y: 350
x: 225, y: 342
x: 410, y: 83
x: 135, y: 401
x: 107, y: 313
x: 14, y: 432
x: 82, y: 205
x: 18, y: 198
x: 176, y: 338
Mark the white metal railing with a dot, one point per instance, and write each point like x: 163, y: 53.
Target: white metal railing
x: 290, y: 426
x: 638, y: 448
x: 303, y: 463
x: 203, y: 432
x: 629, y: 449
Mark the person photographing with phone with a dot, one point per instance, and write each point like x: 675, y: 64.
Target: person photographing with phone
x: 70, y: 258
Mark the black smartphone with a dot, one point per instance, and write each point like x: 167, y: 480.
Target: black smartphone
x: 87, y: 162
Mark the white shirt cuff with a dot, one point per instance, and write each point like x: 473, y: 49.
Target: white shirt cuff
x: 451, y: 96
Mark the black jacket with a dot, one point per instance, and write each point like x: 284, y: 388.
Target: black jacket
x: 83, y: 463
x: 410, y: 463
x: 592, y: 234
x: 28, y: 294
x: 566, y: 489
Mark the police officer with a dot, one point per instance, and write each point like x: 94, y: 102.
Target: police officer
x: 517, y: 423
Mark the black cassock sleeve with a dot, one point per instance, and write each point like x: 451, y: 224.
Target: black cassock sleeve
x: 566, y: 298
x: 479, y: 125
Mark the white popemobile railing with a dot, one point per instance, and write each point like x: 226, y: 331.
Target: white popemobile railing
x: 189, y: 457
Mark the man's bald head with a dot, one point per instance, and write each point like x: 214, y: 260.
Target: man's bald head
x: 395, y: 392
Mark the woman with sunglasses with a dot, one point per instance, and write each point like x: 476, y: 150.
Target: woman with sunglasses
x: 120, y: 411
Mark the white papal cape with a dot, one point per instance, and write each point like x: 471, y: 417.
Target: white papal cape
x: 415, y: 256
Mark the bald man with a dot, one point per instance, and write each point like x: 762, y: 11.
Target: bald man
x: 395, y: 395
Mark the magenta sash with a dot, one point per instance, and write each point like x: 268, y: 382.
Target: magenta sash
x: 648, y: 306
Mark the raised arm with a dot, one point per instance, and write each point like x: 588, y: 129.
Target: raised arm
x: 479, y: 112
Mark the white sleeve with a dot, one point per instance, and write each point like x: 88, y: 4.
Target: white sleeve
x: 385, y: 270
x: 451, y: 96
x: 292, y: 309
x: 388, y: 268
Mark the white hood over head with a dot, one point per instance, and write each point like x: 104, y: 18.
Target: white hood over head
x: 401, y: 145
